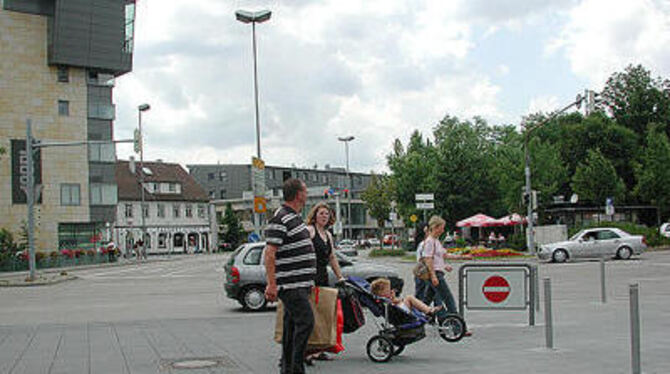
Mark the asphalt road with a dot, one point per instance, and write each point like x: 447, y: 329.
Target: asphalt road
x: 148, y: 318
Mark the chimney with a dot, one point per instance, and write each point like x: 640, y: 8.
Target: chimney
x: 131, y: 164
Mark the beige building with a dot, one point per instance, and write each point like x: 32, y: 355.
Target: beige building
x: 63, y: 84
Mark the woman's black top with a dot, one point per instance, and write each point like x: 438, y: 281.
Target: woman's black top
x: 322, y: 250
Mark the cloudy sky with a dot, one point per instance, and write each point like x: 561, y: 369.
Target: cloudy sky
x: 374, y: 69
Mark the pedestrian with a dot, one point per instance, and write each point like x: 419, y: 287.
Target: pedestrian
x: 290, y: 265
x: 319, y: 219
x: 434, y: 255
x: 421, y: 286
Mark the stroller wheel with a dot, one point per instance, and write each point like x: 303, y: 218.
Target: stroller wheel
x: 452, y: 328
x: 379, y: 349
x: 398, y: 349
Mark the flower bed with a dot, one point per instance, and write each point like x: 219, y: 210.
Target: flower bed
x: 480, y: 252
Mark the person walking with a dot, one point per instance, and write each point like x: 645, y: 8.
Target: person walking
x: 319, y: 219
x: 434, y: 255
x: 421, y: 286
x: 290, y: 265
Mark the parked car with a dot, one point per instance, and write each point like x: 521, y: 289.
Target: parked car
x: 374, y: 242
x: 391, y: 239
x: 347, y: 247
x: 245, y: 274
x: 594, y: 243
x: 665, y: 230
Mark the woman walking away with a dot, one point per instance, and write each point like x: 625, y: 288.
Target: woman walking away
x: 319, y: 219
x: 434, y: 255
x: 420, y: 285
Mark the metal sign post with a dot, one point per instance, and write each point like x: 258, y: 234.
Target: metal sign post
x: 424, y: 201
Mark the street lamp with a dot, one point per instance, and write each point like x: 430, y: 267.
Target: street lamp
x: 346, y: 140
x: 254, y: 18
x: 528, y: 192
x: 140, y: 109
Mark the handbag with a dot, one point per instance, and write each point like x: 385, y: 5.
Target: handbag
x: 421, y: 270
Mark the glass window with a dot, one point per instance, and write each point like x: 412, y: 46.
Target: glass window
x: 607, y: 234
x: 63, y: 108
x: 176, y: 210
x: 172, y: 187
x: 222, y: 176
x: 162, y: 240
x: 63, y: 74
x: 145, y: 210
x: 222, y: 194
x: 253, y: 257
x: 69, y: 194
x: 201, y: 211
x: 189, y: 210
x: 128, y: 210
x: 130, y: 27
x: 101, y: 152
x: 103, y: 194
x: 210, y: 176
x: 161, y: 210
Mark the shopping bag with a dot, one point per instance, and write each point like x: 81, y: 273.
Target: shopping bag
x: 323, y: 301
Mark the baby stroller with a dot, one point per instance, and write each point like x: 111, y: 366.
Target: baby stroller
x: 399, y: 328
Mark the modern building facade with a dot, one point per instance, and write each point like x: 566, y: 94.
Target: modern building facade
x: 227, y: 183
x: 176, y: 209
x: 59, y: 62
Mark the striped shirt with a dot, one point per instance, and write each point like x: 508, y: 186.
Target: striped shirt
x: 295, y: 261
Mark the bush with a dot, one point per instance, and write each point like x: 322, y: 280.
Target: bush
x: 517, y: 241
x: 387, y: 252
x: 654, y: 239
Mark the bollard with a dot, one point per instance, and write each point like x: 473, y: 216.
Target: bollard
x: 603, y: 291
x: 548, y: 324
x: 635, y: 329
x: 537, y: 289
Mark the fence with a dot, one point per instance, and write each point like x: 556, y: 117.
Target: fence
x: 17, y: 264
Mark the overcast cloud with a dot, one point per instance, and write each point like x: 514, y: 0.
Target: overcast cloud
x: 373, y: 69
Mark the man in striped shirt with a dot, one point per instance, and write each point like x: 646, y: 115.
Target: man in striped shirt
x: 290, y: 265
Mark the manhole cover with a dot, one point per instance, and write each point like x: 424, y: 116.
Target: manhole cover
x: 193, y: 363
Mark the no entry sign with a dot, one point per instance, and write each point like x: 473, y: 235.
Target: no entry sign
x: 496, y: 289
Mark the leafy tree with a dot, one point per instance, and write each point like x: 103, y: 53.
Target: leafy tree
x: 548, y: 171
x: 595, y: 179
x: 233, y: 231
x: 635, y: 99
x: 508, y: 167
x: 378, y: 196
x: 653, y: 174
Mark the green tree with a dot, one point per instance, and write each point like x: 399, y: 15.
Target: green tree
x: 653, y: 174
x: 635, y: 99
x: 233, y: 233
x: 548, y: 171
x: 596, y: 179
x: 377, y: 197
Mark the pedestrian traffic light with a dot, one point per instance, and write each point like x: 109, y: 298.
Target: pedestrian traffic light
x: 526, y: 198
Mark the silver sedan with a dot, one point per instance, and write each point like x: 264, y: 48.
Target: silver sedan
x: 594, y: 243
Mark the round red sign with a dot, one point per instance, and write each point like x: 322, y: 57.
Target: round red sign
x: 496, y: 289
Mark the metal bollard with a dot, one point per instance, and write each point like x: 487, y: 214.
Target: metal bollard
x: 537, y: 288
x: 635, y: 329
x: 548, y: 323
x: 603, y: 291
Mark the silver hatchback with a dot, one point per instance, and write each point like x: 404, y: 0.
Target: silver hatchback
x: 594, y: 243
x: 245, y: 274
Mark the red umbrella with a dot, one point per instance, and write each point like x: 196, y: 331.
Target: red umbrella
x: 512, y: 220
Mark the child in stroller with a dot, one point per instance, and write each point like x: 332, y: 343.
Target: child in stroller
x: 403, y: 320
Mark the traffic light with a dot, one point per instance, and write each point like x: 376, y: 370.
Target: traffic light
x: 526, y: 199
x: 326, y: 194
x: 137, y: 141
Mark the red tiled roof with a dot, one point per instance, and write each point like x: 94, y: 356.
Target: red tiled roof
x: 129, y: 186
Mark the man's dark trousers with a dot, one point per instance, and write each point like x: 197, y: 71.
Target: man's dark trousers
x: 298, y: 326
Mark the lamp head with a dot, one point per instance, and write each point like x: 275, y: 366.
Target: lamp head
x: 245, y: 16
x: 346, y: 138
x: 144, y: 107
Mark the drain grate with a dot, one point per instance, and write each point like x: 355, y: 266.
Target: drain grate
x: 192, y: 363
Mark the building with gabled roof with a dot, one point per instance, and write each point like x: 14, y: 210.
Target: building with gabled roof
x: 176, y: 209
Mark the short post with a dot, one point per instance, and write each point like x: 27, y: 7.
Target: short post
x: 603, y: 291
x: 548, y: 324
x: 635, y: 329
x: 537, y: 288
x: 533, y: 296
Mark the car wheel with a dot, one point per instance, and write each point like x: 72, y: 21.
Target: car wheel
x: 379, y: 349
x: 624, y: 253
x: 253, y: 298
x: 559, y: 255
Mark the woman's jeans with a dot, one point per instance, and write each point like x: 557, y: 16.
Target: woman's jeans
x: 443, y: 296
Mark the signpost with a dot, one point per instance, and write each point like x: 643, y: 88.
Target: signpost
x: 424, y: 201
x: 258, y: 186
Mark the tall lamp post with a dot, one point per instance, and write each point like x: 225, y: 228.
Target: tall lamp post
x: 254, y: 18
x: 528, y: 191
x: 140, y: 109
x: 346, y: 140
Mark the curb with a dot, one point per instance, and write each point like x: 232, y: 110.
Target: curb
x: 36, y: 283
